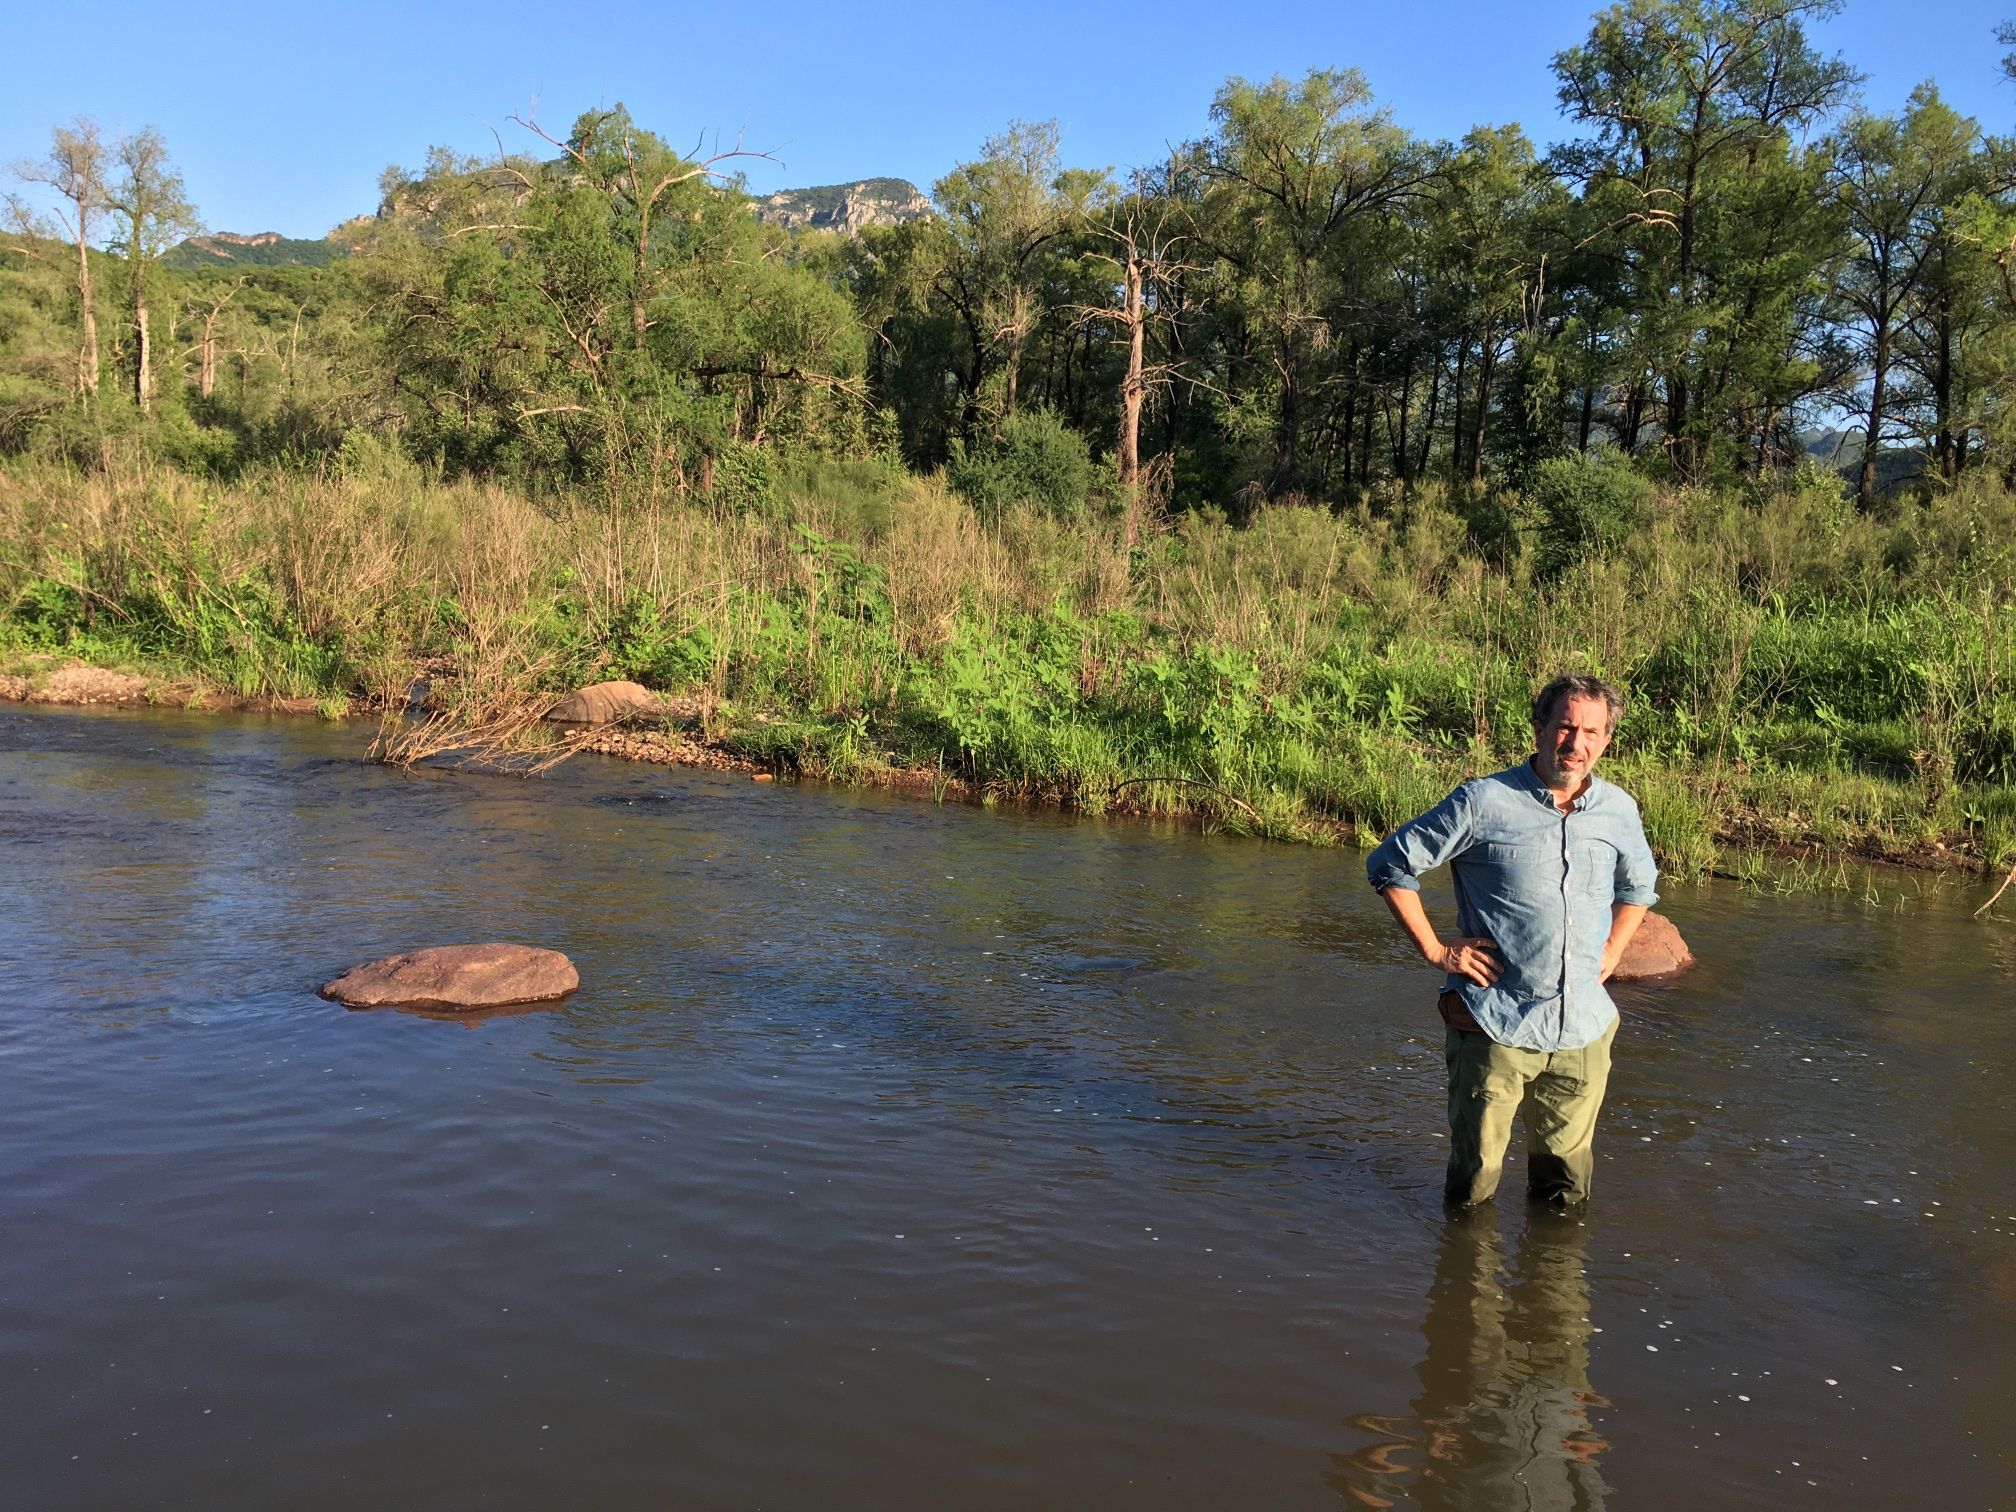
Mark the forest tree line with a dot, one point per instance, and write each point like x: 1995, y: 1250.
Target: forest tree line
x: 1726, y: 252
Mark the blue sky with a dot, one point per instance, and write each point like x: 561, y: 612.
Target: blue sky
x: 281, y: 117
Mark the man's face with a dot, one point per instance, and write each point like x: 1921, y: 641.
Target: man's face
x: 1568, y: 745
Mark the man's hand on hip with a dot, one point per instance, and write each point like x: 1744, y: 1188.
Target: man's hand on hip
x: 1473, y: 957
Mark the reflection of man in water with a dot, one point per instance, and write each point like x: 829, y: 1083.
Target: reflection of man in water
x: 1552, y: 877
x: 1502, y: 1420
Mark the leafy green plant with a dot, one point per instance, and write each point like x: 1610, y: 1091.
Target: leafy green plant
x: 1586, y: 503
x: 1034, y: 458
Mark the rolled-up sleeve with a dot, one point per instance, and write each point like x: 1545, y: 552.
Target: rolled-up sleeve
x: 1420, y: 845
x: 1637, y: 873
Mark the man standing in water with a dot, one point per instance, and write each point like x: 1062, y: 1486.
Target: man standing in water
x: 1552, y: 877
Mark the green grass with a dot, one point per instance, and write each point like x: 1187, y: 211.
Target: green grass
x: 1804, y: 678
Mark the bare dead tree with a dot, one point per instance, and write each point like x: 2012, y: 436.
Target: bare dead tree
x: 206, y: 344
x: 1145, y: 233
x: 153, y: 213
x: 75, y: 169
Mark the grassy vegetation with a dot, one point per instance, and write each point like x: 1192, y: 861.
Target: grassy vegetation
x: 1803, y: 674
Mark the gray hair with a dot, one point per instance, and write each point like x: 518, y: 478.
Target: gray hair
x: 1576, y: 685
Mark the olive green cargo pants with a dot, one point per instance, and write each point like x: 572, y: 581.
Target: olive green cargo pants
x: 1562, y: 1090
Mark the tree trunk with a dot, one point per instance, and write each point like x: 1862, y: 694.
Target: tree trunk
x: 87, y: 356
x: 1865, y: 483
x: 1400, y: 435
x: 1487, y: 360
x: 1942, y: 400
x: 1428, y: 424
x: 1588, y: 395
x: 1678, y: 446
x: 1676, y: 424
x: 1015, y: 338
x: 1133, y: 386
x: 1364, y: 434
x: 1456, y: 416
x: 1346, y: 421
x: 1287, y: 420
x: 206, y: 366
x: 640, y: 269
x: 1634, y: 415
x: 143, y: 366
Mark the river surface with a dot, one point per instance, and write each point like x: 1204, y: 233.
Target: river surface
x: 904, y: 1156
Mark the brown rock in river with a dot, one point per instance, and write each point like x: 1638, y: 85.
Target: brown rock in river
x: 1655, y: 951
x: 607, y: 703
x: 457, y: 977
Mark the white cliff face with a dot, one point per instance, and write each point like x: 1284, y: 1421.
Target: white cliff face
x: 846, y: 208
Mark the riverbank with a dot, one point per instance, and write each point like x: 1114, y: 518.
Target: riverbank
x: 1807, y: 681
x: 1764, y: 859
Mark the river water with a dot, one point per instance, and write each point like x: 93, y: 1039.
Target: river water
x: 896, y: 1155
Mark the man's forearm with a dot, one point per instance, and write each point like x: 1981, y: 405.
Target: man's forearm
x: 1405, y: 905
x: 1624, y: 921
x: 1474, y: 960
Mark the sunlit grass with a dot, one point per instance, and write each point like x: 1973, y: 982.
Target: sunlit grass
x: 1806, y: 680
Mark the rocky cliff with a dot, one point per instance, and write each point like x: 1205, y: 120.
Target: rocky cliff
x: 263, y: 249
x: 847, y: 208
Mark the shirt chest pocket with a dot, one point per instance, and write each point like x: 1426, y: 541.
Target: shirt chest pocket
x: 1592, y: 871
x: 1522, y: 866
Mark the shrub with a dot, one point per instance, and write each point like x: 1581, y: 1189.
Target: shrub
x: 642, y: 646
x: 1586, y: 503
x: 745, y: 479
x: 1035, y: 458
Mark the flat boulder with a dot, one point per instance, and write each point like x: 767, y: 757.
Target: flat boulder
x: 607, y: 703
x: 1655, y: 951
x: 457, y: 978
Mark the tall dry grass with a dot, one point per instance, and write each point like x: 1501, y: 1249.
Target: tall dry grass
x: 1805, y: 672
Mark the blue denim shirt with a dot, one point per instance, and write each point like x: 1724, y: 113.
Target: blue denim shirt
x: 1539, y: 881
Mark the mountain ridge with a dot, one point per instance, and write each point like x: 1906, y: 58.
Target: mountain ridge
x: 848, y: 208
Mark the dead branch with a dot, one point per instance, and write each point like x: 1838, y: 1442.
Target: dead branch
x: 1998, y: 893
x: 497, y: 743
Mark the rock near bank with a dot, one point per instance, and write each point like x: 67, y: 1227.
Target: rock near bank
x: 1656, y: 951
x: 457, y: 978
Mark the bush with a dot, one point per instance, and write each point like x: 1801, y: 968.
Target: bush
x: 1035, y: 458
x: 745, y: 479
x: 643, y: 647
x: 1587, y: 503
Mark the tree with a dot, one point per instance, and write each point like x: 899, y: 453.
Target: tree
x: 153, y: 214
x: 1689, y: 100
x: 637, y: 172
x: 614, y: 308
x: 1139, y: 235
x: 1305, y: 178
x: 1002, y: 210
x: 75, y: 169
x: 1954, y: 351
x: 1896, y: 177
x: 1488, y: 232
